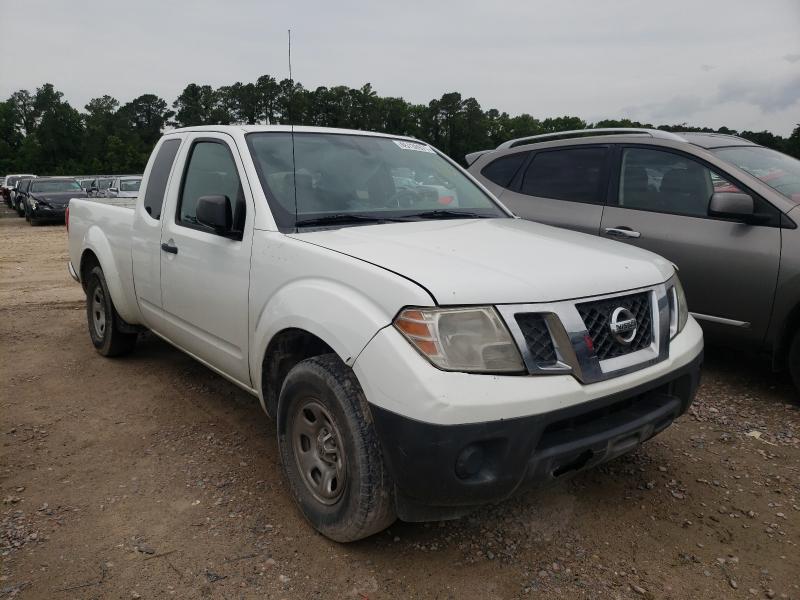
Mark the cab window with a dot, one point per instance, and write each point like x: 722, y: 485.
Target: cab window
x: 211, y: 171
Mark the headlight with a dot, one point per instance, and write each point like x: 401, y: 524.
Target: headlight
x: 34, y: 203
x: 678, y: 310
x: 472, y: 339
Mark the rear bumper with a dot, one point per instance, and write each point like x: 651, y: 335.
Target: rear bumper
x: 443, y: 471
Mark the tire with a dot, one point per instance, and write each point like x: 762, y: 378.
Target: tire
x: 322, y: 401
x: 20, y: 209
x: 103, y: 320
x: 794, y: 362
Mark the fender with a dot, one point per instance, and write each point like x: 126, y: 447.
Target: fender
x: 340, y: 315
x: 95, y: 240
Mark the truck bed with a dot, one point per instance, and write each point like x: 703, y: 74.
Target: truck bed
x: 104, y: 226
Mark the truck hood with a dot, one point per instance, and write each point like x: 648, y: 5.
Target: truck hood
x: 497, y: 261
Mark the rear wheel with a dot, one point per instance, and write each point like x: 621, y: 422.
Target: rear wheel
x: 794, y: 361
x: 104, y: 322
x: 330, y: 451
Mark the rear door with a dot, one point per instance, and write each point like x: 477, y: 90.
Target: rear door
x: 205, y: 276
x: 659, y: 201
x: 565, y: 187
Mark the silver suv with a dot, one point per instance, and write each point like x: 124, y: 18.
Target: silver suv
x: 723, y: 209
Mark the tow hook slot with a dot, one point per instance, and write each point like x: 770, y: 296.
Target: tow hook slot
x: 575, y: 465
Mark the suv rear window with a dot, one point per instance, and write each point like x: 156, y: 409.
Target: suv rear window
x: 574, y: 174
x: 502, y: 170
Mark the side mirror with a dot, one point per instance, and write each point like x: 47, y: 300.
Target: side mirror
x: 113, y: 190
x: 732, y: 205
x: 215, y: 212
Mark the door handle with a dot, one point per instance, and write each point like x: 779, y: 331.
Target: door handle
x: 622, y: 232
x: 167, y: 247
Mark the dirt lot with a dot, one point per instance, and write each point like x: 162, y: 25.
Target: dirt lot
x: 151, y: 477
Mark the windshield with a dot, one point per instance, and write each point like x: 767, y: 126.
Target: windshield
x: 361, y: 178
x: 777, y: 170
x: 129, y: 185
x: 11, y: 181
x: 55, y: 185
x: 104, y: 184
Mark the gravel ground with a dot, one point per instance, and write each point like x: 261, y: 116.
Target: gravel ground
x: 151, y: 477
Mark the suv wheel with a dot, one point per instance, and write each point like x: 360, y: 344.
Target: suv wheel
x: 330, y: 451
x: 794, y: 361
x: 103, y: 319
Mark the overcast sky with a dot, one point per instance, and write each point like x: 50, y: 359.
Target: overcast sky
x: 713, y: 63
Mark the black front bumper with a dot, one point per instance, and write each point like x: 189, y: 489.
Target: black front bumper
x: 444, y: 471
x: 42, y: 214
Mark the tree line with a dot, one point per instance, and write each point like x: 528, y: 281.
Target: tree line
x: 41, y: 132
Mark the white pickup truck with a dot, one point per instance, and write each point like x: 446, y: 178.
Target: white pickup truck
x: 422, y: 351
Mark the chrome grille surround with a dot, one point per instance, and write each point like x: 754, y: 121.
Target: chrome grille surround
x: 569, y: 336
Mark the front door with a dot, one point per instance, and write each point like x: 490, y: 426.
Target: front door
x: 728, y: 269
x: 205, y: 276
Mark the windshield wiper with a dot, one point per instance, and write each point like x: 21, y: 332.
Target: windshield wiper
x: 343, y: 219
x: 447, y: 214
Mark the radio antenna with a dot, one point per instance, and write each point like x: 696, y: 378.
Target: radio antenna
x: 291, y: 124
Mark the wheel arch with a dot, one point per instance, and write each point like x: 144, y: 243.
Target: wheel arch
x: 96, y: 247
x: 287, y: 348
x: 791, y: 324
x: 317, y: 313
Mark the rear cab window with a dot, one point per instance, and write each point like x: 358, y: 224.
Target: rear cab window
x: 159, y: 175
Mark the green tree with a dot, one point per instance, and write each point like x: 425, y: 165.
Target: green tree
x: 10, y: 137
x: 195, y: 106
x: 146, y: 115
x: 792, y: 146
x: 100, y: 124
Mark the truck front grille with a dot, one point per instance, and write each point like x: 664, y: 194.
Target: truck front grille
x: 596, y: 316
x: 537, y: 338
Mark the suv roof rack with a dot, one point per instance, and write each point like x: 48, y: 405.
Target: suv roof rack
x: 654, y: 133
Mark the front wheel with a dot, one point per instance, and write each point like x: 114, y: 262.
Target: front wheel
x: 330, y: 451
x: 104, y: 322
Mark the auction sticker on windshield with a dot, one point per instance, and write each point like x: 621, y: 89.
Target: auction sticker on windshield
x: 414, y: 146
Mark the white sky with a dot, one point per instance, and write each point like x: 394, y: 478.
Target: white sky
x: 712, y: 63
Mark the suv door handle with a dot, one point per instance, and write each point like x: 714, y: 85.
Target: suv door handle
x: 622, y: 232
x: 167, y: 247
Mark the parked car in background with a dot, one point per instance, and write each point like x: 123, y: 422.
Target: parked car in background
x: 99, y: 185
x: 86, y: 181
x: 420, y: 360
x: 124, y: 186
x: 47, y: 198
x: 723, y: 209
x: 20, y: 193
x: 9, y: 189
